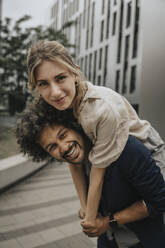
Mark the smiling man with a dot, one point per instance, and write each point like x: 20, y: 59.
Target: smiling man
x: 53, y: 140
x: 133, y: 192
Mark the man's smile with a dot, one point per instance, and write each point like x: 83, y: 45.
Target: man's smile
x: 72, y: 153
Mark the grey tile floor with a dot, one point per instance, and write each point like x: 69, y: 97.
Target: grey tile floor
x: 41, y: 212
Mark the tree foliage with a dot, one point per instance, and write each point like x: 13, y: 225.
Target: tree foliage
x: 14, y: 43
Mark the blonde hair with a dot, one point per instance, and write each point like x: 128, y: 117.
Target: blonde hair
x: 44, y: 50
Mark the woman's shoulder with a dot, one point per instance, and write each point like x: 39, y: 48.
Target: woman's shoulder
x: 101, y: 92
x: 99, y: 98
x: 96, y: 109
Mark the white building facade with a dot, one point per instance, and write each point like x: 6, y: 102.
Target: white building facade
x: 113, y: 40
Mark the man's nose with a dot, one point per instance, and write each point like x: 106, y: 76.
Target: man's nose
x: 55, y: 91
x: 63, y: 147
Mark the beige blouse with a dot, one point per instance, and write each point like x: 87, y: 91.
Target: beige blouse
x: 107, y: 118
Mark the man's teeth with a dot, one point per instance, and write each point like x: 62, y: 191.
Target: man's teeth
x: 71, y: 151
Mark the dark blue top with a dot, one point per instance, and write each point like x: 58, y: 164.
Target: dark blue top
x: 132, y: 177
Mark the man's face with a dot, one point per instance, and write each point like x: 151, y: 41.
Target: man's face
x: 63, y: 143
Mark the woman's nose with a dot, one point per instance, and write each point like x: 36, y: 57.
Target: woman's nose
x: 55, y: 91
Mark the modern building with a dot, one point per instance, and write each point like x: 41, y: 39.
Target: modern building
x: 120, y: 44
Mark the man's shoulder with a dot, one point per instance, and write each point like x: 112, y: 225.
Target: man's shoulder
x: 134, y: 156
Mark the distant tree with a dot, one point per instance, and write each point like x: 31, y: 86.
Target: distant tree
x: 14, y: 42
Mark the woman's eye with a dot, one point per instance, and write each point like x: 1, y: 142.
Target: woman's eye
x: 42, y: 84
x: 61, y: 78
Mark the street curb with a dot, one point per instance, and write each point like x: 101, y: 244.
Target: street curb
x: 15, y: 169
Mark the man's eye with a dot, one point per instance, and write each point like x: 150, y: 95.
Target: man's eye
x: 52, y: 148
x: 62, y: 135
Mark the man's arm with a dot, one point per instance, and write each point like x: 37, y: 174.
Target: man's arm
x: 94, y: 192
x: 80, y: 183
x: 136, y: 211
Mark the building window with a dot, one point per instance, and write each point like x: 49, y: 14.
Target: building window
x: 72, y: 9
x: 108, y: 19
x: 133, y: 79
x: 103, y: 7
x: 102, y: 31
x: 84, y: 14
x: 105, y: 65
x: 125, y: 69
x: 115, y: 2
x: 136, y: 30
x: 117, y: 80
x: 76, y: 35
x: 88, y: 20
x: 92, y: 27
x: 100, y: 58
x: 129, y: 10
x: 90, y: 66
x: 70, y: 12
x: 94, y: 67
x: 86, y: 66
x: 79, y: 34
x: 114, y: 24
x: 87, y: 35
x: 136, y: 107
x: 77, y: 5
x: 120, y: 34
x: 82, y: 64
x: 99, y: 80
x: 74, y: 6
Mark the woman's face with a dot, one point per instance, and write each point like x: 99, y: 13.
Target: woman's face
x: 56, y: 84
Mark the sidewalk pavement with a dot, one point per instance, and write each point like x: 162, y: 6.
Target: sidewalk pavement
x: 41, y: 212
x: 12, y: 161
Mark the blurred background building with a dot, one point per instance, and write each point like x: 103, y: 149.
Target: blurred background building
x: 120, y: 44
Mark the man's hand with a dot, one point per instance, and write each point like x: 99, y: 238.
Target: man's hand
x: 95, y: 227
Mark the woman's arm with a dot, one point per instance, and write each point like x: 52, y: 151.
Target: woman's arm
x: 94, y: 192
x: 80, y: 183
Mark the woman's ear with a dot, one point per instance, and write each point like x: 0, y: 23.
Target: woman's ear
x: 76, y: 78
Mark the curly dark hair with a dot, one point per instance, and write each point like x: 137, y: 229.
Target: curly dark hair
x: 31, y: 123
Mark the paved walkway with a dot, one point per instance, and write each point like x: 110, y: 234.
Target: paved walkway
x: 41, y: 212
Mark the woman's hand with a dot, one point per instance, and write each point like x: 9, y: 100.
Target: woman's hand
x: 81, y: 213
x: 95, y: 228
